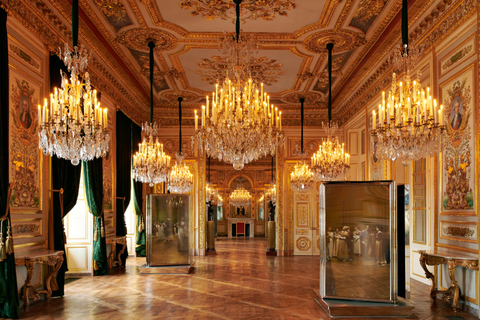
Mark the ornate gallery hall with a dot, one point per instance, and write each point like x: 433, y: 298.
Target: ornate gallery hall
x: 239, y: 159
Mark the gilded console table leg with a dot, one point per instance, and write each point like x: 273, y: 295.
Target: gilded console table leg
x: 55, y: 261
x: 119, y: 255
x: 453, y: 291
x: 30, y: 265
x: 429, y: 275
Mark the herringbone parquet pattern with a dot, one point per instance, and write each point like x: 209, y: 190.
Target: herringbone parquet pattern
x: 240, y: 282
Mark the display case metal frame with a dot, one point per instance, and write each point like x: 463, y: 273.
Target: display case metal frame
x: 343, y: 194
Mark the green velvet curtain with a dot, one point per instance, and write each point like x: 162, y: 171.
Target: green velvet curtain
x: 64, y: 175
x: 124, y: 169
x: 93, y: 181
x: 8, y: 276
x: 137, y: 199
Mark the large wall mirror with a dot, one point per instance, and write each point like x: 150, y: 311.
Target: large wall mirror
x: 358, y: 236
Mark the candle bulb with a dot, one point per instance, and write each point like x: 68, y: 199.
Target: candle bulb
x: 374, y: 120
x: 196, y: 121
x: 207, y: 107
x: 39, y: 115
x: 203, y: 116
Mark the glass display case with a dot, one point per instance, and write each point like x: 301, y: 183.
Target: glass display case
x: 358, y: 251
x: 168, y: 230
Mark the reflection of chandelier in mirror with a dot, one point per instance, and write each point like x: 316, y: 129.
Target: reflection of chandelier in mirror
x: 411, y: 124
x: 331, y: 161
x: 73, y: 126
x: 240, y: 197
x: 301, y: 178
x: 180, y: 179
x: 150, y: 163
x: 175, y: 202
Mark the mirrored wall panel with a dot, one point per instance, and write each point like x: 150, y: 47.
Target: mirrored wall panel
x: 167, y: 230
x: 358, y: 233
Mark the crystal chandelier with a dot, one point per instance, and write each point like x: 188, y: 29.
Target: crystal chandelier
x: 239, y: 127
x: 411, y: 125
x: 330, y: 162
x: 72, y: 125
x: 240, y: 197
x: 150, y: 163
x: 242, y: 125
x: 301, y: 178
x: 180, y: 179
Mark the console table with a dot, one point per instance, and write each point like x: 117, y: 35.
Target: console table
x: 249, y: 221
x: 113, y: 243
x: 452, y: 259
x: 50, y: 258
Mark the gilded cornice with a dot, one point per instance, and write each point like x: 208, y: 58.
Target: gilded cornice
x: 441, y: 28
x: 47, y: 26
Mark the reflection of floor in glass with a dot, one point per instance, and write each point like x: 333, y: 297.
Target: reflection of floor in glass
x: 360, y: 278
x: 167, y: 253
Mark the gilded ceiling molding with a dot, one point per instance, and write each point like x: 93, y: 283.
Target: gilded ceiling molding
x: 311, y: 98
x: 115, y: 12
x: 138, y: 38
x: 133, y: 4
x: 327, y: 12
x: 445, y: 25
x: 344, y: 40
x: 188, y: 97
x: 346, y: 8
x: 153, y: 10
x: 260, y: 69
x: 249, y: 9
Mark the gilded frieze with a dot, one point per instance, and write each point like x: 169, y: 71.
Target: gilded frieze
x: 458, y: 56
x: 24, y: 56
x: 249, y: 9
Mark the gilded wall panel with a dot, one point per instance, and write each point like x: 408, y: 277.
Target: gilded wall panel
x: 25, y: 160
x: 458, y: 173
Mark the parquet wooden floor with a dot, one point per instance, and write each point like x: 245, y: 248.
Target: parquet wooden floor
x: 240, y: 282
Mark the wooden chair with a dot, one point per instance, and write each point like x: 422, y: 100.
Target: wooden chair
x: 240, y: 228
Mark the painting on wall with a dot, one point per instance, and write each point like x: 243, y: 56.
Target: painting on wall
x: 23, y: 145
x: 458, y: 186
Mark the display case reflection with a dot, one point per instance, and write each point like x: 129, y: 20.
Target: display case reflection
x: 357, y: 249
x: 168, y: 230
